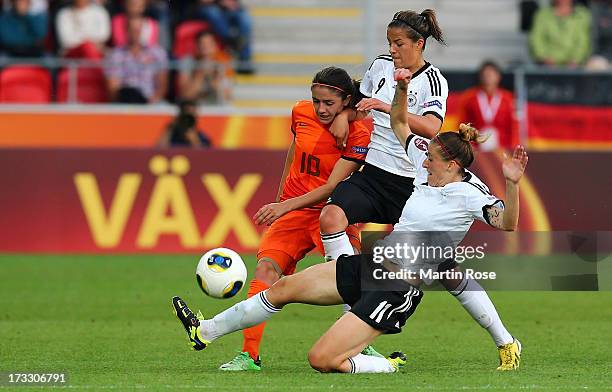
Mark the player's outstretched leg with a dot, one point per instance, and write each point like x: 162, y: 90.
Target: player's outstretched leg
x: 190, y: 323
x: 315, y: 285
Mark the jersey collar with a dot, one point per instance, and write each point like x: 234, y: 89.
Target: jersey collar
x: 421, y: 70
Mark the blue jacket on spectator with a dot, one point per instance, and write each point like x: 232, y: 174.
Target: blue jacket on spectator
x: 22, y: 35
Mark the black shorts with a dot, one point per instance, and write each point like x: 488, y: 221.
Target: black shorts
x: 384, y: 309
x: 372, y: 195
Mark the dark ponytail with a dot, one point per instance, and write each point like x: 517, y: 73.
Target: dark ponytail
x: 338, y: 80
x: 418, y: 26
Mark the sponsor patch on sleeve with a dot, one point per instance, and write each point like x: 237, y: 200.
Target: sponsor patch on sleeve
x: 420, y: 144
x: 359, y: 150
x: 433, y: 103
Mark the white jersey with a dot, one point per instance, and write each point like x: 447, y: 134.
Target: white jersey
x: 427, y: 93
x: 451, y: 208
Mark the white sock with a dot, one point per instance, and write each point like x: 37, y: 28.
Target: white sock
x: 478, y: 304
x: 367, y: 364
x: 336, y: 245
x: 247, y: 313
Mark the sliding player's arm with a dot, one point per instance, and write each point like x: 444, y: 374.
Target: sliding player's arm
x: 271, y: 212
x: 513, y: 167
x: 288, y: 163
x: 399, y: 116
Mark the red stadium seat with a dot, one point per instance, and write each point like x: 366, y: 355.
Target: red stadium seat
x: 184, y: 37
x: 90, y: 86
x: 25, y: 84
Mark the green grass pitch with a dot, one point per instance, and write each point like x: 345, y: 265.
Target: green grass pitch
x: 107, y: 321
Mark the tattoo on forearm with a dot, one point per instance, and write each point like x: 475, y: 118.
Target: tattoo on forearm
x: 495, y: 216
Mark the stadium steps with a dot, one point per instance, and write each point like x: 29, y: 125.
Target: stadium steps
x: 293, y: 40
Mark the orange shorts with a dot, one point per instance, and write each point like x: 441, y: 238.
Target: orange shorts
x: 292, y: 236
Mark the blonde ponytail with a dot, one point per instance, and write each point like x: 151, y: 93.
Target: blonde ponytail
x: 470, y: 134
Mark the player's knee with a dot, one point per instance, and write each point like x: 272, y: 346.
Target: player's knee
x: 282, y: 292
x: 266, y: 272
x: 320, y: 361
x: 332, y: 219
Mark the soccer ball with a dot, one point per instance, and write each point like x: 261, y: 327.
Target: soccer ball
x: 221, y: 273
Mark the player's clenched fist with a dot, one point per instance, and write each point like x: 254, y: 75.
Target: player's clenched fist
x: 402, y: 76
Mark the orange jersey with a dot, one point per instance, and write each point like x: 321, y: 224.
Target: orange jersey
x: 316, y: 151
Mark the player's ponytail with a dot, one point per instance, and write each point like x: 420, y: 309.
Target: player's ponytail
x: 339, y: 81
x: 469, y: 134
x: 418, y: 26
x: 457, y: 145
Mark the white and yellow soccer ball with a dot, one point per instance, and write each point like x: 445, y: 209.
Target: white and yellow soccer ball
x: 221, y: 273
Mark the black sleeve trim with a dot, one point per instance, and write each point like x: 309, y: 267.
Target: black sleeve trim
x: 408, y: 140
x: 293, y: 131
x: 485, y: 213
x: 435, y: 114
x: 356, y: 160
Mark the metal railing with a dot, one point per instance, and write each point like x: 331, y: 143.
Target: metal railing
x: 525, y: 82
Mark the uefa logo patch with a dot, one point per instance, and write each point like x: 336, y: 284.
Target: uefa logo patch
x: 360, y: 150
x: 433, y: 103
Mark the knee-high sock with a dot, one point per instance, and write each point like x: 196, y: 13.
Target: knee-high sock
x: 367, y: 364
x: 253, y: 335
x: 247, y: 313
x: 336, y: 244
x: 475, y: 300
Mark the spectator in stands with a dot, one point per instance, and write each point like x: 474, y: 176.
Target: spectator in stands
x: 205, y: 77
x: 602, y: 36
x: 490, y: 108
x: 22, y: 31
x: 83, y: 29
x: 560, y: 35
x: 134, y: 8
x: 230, y: 21
x: 183, y: 131
x: 137, y: 72
x: 36, y: 6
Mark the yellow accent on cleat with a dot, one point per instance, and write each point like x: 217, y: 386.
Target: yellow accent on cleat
x: 191, y: 324
x: 397, y: 359
x: 509, y: 356
x: 196, y: 339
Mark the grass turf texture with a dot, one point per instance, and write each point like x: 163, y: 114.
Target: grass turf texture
x: 107, y: 321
